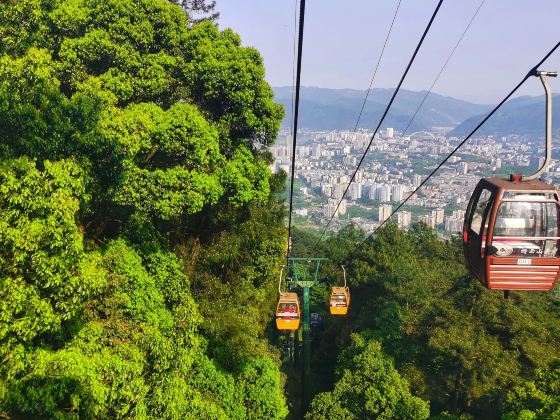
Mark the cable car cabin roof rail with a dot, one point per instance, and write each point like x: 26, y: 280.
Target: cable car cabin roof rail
x: 524, y: 238
x: 526, y: 200
x: 532, y: 186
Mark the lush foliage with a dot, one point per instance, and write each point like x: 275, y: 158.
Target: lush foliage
x: 368, y: 387
x: 463, y: 348
x: 134, y: 195
x: 538, y: 398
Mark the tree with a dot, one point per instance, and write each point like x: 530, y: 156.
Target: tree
x: 199, y: 7
x: 538, y: 398
x: 368, y: 387
x: 460, y: 346
x: 130, y: 138
x: 46, y: 274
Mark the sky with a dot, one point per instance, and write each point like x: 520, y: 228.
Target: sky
x: 343, y: 40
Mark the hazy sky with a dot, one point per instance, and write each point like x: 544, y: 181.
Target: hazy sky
x: 343, y: 40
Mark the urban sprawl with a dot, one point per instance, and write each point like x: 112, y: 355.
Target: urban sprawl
x: 394, y: 166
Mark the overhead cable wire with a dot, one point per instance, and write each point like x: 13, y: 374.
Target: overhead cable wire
x: 442, y: 68
x: 384, y: 114
x: 294, y: 62
x: 296, y: 113
x: 377, y: 66
x: 531, y: 73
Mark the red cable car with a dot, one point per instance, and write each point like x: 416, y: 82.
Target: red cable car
x: 511, y: 235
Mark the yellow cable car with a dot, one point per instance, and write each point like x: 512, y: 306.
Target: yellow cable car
x: 288, y: 312
x: 340, y: 298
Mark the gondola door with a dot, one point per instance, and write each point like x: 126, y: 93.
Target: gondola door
x: 476, y: 228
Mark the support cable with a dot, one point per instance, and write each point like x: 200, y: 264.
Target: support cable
x: 377, y: 67
x: 294, y: 62
x: 532, y: 72
x: 296, y: 112
x: 384, y: 115
x: 443, y: 68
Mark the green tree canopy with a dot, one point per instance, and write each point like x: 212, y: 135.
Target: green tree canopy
x: 133, y: 149
x: 369, y: 386
x: 536, y: 399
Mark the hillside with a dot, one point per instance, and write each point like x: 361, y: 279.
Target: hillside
x: 422, y: 339
x: 139, y: 227
x: 523, y: 115
x: 337, y: 109
x: 143, y: 236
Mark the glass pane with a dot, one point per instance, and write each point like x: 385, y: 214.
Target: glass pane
x: 287, y: 310
x: 524, y: 196
x: 517, y: 222
x: 483, y: 202
x: 339, y: 299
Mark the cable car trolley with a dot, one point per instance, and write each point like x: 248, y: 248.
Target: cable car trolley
x: 511, y: 235
x: 339, y: 298
x: 288, y: 312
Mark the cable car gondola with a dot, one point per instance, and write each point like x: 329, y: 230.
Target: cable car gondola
x: 511, y: 230
x: 288, y: 312
x: 339, y: 301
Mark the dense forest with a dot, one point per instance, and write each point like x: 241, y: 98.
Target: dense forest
x: 139, y: 224
x: 141, y: 235
x: 424, y: 339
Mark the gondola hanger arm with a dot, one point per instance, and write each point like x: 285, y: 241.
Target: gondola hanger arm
x: 548, y: 141
x: 280, y: 280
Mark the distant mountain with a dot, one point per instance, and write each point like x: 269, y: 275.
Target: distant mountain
x: 522, y: 115
x: 338, y: 109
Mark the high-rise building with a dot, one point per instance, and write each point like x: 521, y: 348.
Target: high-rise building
x: 384, y: 212
x: 372, y: 192
x: 404, y: 218
x: 428, y: 220
x: 356, y: 191
x: 317, y: 151
x: 536, y: 162
x: 342, y: 208
x: 417, y: 180
x: 397, y: 192
x: 383, y: 193
x: 330, y: 209
x: 453, y: 224
x: 359, y: 175
x: 390, y: 133
x: 438, y: 215
x: 349, y: 160
x: 338, y: 191
x: 463, y: 168
x: 458, y: 214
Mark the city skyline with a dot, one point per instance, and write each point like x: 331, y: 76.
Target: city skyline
x: 395, y: 166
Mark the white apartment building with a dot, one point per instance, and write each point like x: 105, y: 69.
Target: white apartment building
x: 404, y: 219
x: 384, y: 212
x: 428, y: 220
x: 438, y: 215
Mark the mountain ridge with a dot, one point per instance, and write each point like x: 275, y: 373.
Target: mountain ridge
x: 522, y: 115
x: 329, y: 109
x: 338, y: 109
